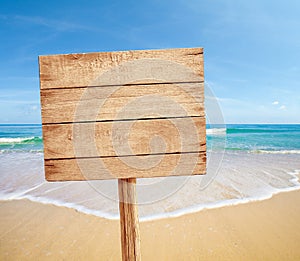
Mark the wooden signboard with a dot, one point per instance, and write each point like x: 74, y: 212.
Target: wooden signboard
x: 124, y: 115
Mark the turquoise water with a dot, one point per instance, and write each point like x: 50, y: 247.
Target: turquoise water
x: 246, y: 137
x: 244, y: 163
x: 21, y: 138
x: 262, y: 138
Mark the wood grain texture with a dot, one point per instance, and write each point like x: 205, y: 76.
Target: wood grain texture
x: 77, y: 70
x: 129, y: 222
x: 124, y: 138
x: 126, y: 167
x: 114, y: 103
x: 131, y: 114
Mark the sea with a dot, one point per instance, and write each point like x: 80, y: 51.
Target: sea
x: 245, y: 163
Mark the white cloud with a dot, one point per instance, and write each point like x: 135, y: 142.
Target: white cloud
x: 282, y: 107
x: 229, y: 100
x: 275, y: 102
x: 33, y: 107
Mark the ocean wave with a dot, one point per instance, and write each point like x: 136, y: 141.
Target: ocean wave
x: 277, y: 151
x: 170, y: 214
x: 235, y: 184
x: 7, y: 151
x: 20, y: 140
x: 216, y: 131
x: 258, y: 130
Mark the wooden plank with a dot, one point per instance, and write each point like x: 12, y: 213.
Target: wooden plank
x: 129, y: 221
x: 106, y: 103
x: 103, y: 113
x: 77, y: 70
x: 124, y: 138
x: 126, y: 167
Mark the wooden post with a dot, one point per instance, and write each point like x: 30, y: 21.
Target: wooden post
x: 129, y: 221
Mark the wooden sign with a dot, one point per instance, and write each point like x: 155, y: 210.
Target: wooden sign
x: 124, y: 115
x: 131, y: 114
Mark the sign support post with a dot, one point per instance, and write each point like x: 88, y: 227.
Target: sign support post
x: 129, y: 222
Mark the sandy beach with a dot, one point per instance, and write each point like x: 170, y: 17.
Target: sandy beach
x: 262, y: 230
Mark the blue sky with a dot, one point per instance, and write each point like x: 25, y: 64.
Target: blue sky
x: 252, y: 48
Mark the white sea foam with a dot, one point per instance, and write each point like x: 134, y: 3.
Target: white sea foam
x: 171, y: 214
x: 276, y: 151
x: 242, y: 178
x: 6, y: 151
x: 216, y: 131
x: 14, y: 140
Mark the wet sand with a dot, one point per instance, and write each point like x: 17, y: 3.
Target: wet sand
x: 262, y: 230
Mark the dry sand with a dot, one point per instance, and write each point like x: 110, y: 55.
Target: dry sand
x: 265, y: 230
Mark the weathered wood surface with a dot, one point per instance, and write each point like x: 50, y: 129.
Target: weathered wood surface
x: 77, y: 70
x: 103, y: 113
x: 146, y: 166
x: 75, y: 105
x: 129, y: 223
x: 114, y: 138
